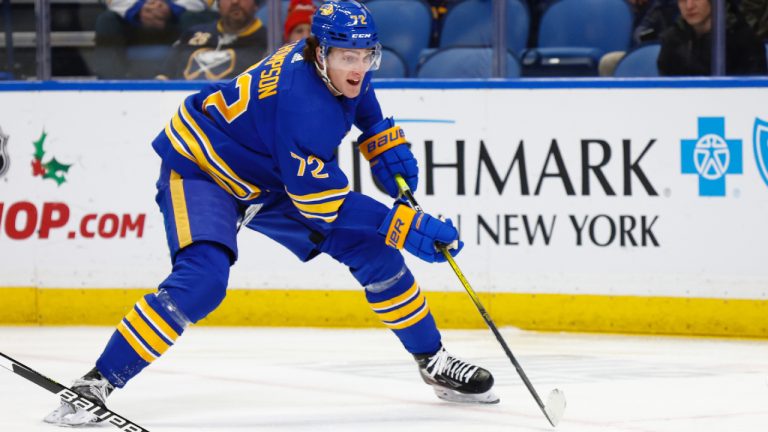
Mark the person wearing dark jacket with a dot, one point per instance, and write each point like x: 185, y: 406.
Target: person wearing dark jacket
x: 756, y: 14
x: 221, y: 49
x: 686, y: 46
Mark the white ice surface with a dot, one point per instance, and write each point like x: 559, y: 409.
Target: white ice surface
x: 259, y: 379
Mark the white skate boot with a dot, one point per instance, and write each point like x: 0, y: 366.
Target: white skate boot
x: 456, y: 380
x: 94, y: 387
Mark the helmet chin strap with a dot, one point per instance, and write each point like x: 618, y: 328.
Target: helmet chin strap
x: 324, y: 76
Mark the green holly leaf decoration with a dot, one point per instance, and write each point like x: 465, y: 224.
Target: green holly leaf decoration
x: 55, y: 170
x: 39, y: 152
x: 52, y: 169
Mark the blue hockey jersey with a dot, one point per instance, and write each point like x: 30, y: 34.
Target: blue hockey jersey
x: 272, y: 129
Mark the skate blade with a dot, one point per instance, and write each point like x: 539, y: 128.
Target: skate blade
x: 453, y: 396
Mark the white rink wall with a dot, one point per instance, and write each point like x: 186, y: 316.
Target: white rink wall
x: 643, y: 189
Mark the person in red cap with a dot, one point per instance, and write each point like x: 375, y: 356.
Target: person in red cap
x: 299, y: 20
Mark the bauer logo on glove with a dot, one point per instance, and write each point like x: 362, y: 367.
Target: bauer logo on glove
x: 382, y: 146
x: 382, y: 142
x: 399, y: 226
x: 420, y: 236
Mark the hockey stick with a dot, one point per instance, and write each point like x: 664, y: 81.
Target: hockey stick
x: 67, y: 395
x: 555, y: 406
x: 248, y: 215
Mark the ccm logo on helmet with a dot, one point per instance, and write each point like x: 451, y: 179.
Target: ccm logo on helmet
x: 361, y: 35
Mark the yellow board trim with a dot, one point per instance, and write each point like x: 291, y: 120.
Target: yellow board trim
x: 452, y: 310
x: 135, y: 344
x: 146, y: 332
x: 19, y: 305
x: 180, y: 214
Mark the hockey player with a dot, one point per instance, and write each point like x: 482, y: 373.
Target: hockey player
x: 268, y: 137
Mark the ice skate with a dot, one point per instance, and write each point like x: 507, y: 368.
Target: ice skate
x: 94, y: 387
x: 456, y: 380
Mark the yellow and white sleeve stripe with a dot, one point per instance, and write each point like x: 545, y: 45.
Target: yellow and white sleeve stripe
x: 189, y: 139
x: 323, y: 205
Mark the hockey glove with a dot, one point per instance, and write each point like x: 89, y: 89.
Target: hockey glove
x: 419, y: 233
x: 383, y: 146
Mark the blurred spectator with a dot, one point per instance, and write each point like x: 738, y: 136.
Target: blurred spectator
x: 652, y: 17
x: 686, y: 46
x: 136, y: 22
x: 439, y: 9
x: 299, y: 20
x: 756, y: 14
x: 220, y: 49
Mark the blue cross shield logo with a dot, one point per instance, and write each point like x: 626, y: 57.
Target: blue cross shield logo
x: 760, y: 142
x: 711, y: 156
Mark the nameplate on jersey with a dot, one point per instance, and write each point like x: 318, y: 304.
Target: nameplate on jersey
x: 270, y: 76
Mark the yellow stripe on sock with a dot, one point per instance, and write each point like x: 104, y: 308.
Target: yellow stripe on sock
x: 410, y: 321
x: 135, y: 344
x: 146, y: 332
x: 157, y: 320
x: 403, y: 311
x: 395, y: 301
